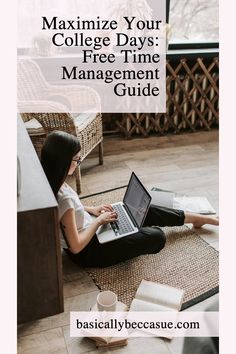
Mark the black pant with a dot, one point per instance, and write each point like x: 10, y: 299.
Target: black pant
x: 149, y: 239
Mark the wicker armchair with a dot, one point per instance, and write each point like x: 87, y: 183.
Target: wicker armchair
x: 86, y: 126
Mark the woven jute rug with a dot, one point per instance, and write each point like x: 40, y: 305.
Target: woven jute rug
x: 186, y: 262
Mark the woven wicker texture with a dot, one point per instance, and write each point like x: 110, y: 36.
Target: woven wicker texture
x: 90, y: 136
x: 78, y: 98
x: 186, y: 262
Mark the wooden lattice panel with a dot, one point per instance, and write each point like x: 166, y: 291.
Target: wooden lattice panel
x: 192, y: 101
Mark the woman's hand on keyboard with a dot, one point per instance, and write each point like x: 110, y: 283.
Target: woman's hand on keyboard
x: 98, y: 210
x: 106, y: 217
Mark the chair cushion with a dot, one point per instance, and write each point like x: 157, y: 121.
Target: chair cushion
x: 82, y: 120
x: 34, y: 127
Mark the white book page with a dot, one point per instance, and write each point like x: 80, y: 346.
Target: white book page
x: 199, y: 205
x: 160, y: 294
x: 140, y: 305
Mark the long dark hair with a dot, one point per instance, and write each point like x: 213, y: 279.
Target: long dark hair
x: 56, y: 156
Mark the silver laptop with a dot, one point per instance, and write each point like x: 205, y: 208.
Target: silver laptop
x: 131, y: 212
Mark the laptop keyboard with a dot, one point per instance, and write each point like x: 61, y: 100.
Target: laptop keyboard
x: 122, y: 225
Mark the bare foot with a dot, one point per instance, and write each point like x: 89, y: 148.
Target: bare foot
x: 201, y: 220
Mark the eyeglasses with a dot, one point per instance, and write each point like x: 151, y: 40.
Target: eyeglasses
x: 78, y: 161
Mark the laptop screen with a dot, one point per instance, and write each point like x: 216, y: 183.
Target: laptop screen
x: 137, y: 200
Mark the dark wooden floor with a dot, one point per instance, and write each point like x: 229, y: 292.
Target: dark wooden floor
x: 185, y: 163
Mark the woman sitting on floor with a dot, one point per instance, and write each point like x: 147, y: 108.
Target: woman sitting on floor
x: 60, y: 156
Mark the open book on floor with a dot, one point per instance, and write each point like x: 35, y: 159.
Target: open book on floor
x: 112, y: 342
x: 156, y: 297
x: 104, y: 342
x: 169, y: 199
x: 152, y: 296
